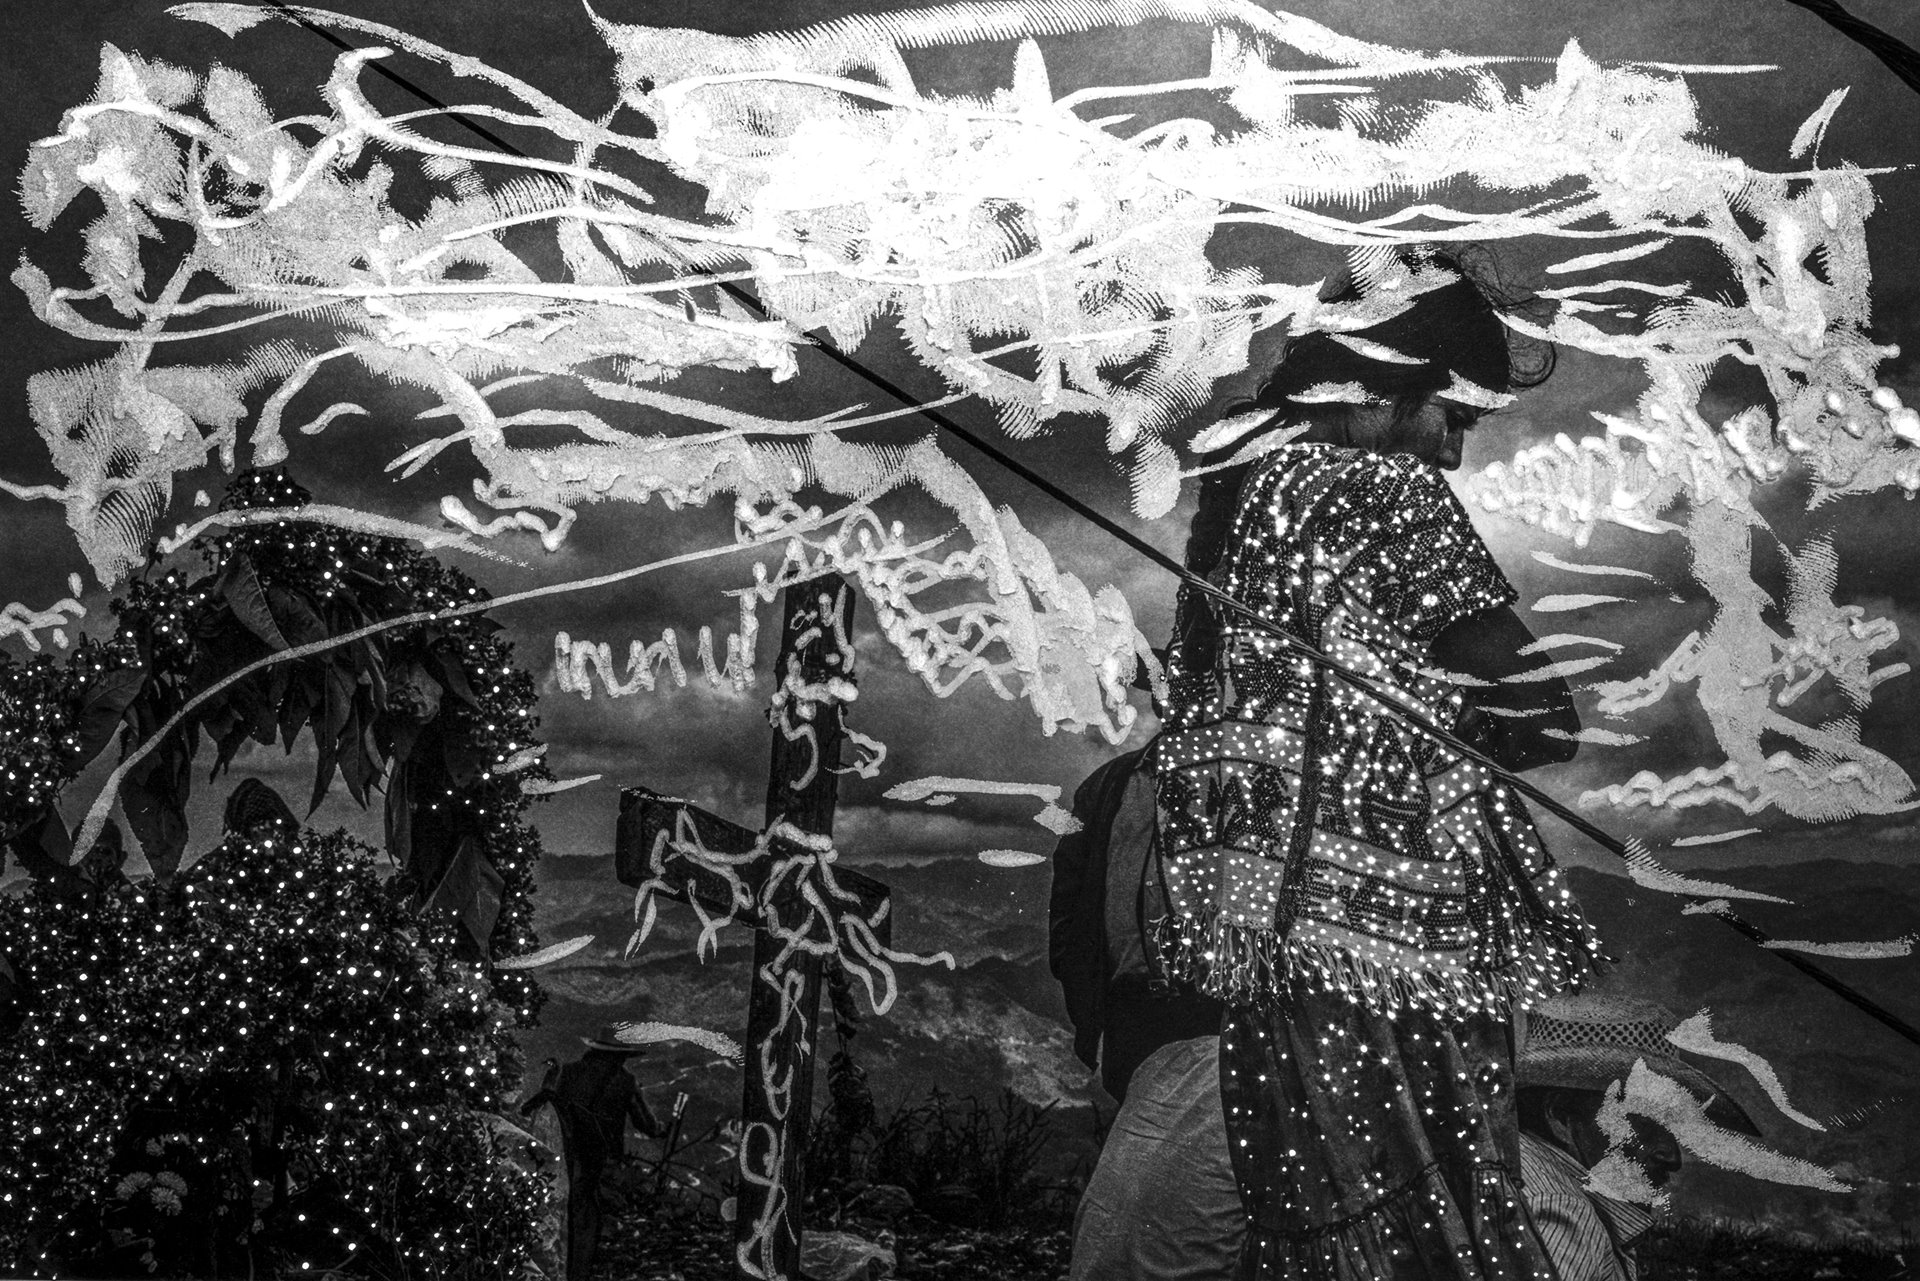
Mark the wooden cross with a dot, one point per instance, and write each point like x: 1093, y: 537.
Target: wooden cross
x: 798, y: 905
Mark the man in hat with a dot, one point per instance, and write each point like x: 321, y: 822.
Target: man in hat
x: 595, y: 1096
x: 1573, y: 1051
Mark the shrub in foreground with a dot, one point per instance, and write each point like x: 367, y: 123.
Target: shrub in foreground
x: 273, y: 1067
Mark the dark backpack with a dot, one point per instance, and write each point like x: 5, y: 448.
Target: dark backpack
x: 1106, y: 890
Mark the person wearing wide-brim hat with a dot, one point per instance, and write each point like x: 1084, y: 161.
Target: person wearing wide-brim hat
x: 1573, y: 1049
x: 594, y: 1097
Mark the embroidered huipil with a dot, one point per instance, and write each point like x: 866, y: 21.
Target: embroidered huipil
x: 1307, y: 835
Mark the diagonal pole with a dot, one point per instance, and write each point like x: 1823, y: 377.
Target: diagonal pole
x: 1386, y: 698
x: 1895, y: 54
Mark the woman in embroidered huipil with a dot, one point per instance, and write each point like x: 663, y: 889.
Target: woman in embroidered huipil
x: 1368, y: 903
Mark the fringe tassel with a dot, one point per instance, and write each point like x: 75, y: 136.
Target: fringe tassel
x: 1246, y: 966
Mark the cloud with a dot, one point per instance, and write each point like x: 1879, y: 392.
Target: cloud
x: 911, y: 834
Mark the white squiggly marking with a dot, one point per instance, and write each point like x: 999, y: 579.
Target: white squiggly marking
x: 1883, y: 950
x: 1648, y: 873
x: 939, y: 790
x: 1696, y: 1035
x: 546, y: 955
x: 1010, y: 858
x: 1563, y: 604
x: 1714, y: 838
x: 1672, y: 1106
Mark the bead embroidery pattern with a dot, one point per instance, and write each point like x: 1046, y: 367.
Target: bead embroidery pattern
x: 1415, y: 878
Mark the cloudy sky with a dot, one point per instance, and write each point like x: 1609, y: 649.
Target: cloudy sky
x: 712, y: 746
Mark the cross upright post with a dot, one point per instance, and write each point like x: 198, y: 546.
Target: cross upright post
x: 802, y: 789
x: 782, y: 884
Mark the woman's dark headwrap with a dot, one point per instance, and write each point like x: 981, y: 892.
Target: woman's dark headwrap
x: 1452, y: 330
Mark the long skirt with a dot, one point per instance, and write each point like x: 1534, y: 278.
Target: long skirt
x: 1376, y: 1149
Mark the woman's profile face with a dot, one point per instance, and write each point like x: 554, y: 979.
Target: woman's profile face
x: 1433, y: 432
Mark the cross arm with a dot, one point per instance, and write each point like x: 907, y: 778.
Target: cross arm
x: 658, y: 838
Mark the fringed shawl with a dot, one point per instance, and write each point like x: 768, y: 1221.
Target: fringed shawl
x: 1308, y: 836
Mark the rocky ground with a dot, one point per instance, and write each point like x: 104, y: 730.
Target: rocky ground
x: 857, y: 1231
x: 640, y: 1248
x: 636, y: 1249
x: 1690, y: 1250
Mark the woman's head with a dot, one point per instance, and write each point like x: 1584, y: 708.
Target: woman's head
x: 1432, y: 430
x: 1413, y: 383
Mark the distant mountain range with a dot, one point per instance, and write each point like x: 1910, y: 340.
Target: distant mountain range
x: 996, y: 1020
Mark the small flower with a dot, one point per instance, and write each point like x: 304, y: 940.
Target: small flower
x: 132, y: 1184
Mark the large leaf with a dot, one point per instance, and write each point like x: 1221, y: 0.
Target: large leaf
x: 453, y: 675
x: 400, y: 815
x: 227, y: 745
x: 303, y: 695
x: 240, y: 587
x: 335, y: 709
x: 43, y: 845
x: 222, y: 647
x: 397, y: 735
x: 104, y: 706
x: 250, y: 712
x: 154, y: 796
x: 373, y: 673
x: 266, y: 713
x: 470, y: 891
x: 296, y: 619
x: 150, y: 709
x: 220, y: 718
x: 357, y: 767
x: 105, y: 861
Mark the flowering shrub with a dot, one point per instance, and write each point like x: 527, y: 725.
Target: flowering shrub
x: 274, y: 1067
